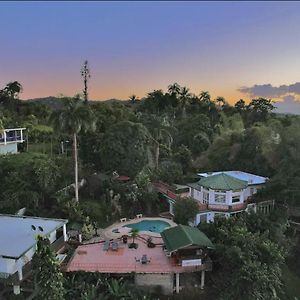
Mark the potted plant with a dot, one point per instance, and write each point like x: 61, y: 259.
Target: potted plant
x: 125, y: 238
x: 134, y: 234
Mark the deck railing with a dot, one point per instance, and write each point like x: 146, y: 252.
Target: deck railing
x: 11, y: 135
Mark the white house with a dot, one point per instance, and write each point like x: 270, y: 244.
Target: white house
x: 224, y: 193
x: 18, y: 242
x: 9, y: 140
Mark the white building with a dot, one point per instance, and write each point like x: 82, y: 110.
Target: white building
x: 9, y: 140
x: 224, y: 193
x: 18, y: 242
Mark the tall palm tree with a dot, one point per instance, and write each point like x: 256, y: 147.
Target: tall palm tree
x: 86, y: 75
x: 184, y: 98
x: 160, y: 134
x: 174, y: 89
x: 73, y: 118
x: 133, y: 99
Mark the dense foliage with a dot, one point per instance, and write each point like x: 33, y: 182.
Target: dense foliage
x: 251, y: 251
x: 47, y: 275
x: 167, y: 136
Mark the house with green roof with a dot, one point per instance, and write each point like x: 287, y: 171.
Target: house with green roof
x: 224, y: 193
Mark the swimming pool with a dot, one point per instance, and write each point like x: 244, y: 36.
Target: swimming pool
x: 149, y: 225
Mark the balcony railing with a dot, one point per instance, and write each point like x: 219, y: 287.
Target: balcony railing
x: 11, y: 139
x: 225, y: 207
x: 222, y: 207
x: 11, y: 135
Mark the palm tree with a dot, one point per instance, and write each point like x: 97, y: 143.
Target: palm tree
x: 174, y: 89
x: 133, y: 99
x: 73, y: 118
x: 160, y: 134
x: 86, y: 75
x: 184, y: 98
x: 205, y: 97
x: 134, y: 234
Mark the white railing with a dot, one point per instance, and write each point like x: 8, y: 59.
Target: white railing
x: 11, y: 135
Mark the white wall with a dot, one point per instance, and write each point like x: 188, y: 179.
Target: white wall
x: 209, y: 217
x: 9, y: 148
x: 197, y: 195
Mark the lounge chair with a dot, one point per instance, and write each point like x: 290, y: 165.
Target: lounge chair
x: 106, y: 245
x: 123, y: 220
x: 139, y: 216
x: 114, y: 246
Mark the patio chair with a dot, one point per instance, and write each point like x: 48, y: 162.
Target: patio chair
x: 106, y: 245
x: 145, y: 259
x: 115, y: 246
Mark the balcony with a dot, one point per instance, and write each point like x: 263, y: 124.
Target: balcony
x: 14, y: 135
x: 228, y: 208
x: 222, y: 207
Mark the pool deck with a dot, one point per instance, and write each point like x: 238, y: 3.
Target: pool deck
x: 109, y: 234
x: 93, y: 258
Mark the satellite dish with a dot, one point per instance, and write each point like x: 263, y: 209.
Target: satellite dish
x: 33, y: 227
x: 41, y: 229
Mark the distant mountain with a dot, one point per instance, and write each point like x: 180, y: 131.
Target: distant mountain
x: 55, y: 102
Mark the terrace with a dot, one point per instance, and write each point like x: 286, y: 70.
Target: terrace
x: 94, y: 258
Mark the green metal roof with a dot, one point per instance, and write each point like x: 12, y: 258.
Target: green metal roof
x: 183, y: 236
x: 222, y: 181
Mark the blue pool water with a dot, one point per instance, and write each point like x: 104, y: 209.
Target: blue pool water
x: 149, y: 225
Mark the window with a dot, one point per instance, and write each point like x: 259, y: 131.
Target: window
x: 205, y: 197
x: 235, y: 199
x: 220, y: 198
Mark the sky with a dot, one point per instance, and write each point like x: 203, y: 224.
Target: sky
x: 231, y: 49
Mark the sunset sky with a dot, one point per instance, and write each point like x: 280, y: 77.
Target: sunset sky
x: 236, y: 50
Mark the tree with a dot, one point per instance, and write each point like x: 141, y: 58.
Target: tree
x: 86, y: 75
x: 220, y: 101
x: 184, y: 98
x: 185, y: 210
x: 240, y: 105
x: 133, y: 99
x: 259, y: 109
x: 248, y: 260
x: 73, y: 118
x: 160, y: 134
x: 174, y: 89
x: 134, y: 235
x: 194, y: 132
x: 183, y: 156
x: 170, y: 172
x: 124, y: 148
x: 13, y: 89
x: 48, y: 278
x: 10, y: 94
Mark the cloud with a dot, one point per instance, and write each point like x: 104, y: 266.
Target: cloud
x: 270, y: 91
x: 289, y: 105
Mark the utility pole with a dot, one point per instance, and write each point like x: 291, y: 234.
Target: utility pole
x: 86, y: 75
